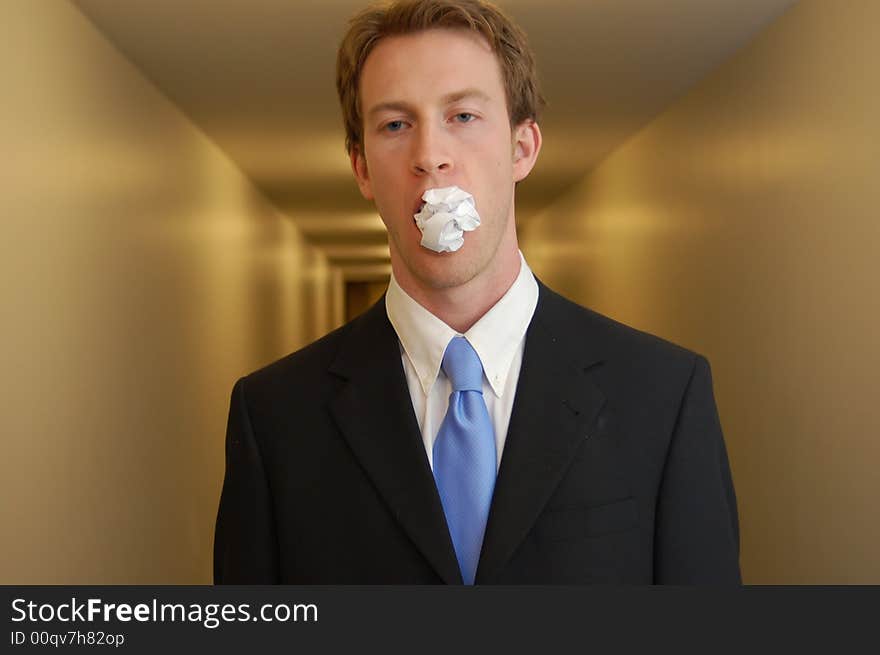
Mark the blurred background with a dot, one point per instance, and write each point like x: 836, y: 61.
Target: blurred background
x: 179, y: 211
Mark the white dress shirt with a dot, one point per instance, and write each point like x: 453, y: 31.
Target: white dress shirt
x: 498, y: 337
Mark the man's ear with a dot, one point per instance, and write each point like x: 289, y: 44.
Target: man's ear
x: 361, y: 174
x: 526, y: 146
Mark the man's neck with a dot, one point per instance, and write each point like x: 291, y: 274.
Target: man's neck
x: 463, y: 305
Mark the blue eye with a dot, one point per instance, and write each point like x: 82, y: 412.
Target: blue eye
x: 394, y: 126
x: 464, y: 117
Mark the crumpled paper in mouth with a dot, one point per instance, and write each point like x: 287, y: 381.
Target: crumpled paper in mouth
x: 447, y: 214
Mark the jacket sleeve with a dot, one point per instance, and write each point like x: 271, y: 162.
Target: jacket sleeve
x: 697, y: 529
x: 245, y: 544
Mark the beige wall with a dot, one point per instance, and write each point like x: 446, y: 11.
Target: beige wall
x: 141, y: 274
x: 744, y: 222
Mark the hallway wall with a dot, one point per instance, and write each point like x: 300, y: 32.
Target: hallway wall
x: 141, y: 274
x: 743, y: 223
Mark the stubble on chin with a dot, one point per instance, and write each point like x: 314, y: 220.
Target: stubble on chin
x: 439, y: 271
x: 447, y: 276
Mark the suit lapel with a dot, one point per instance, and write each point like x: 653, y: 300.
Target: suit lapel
x: 555, y: 405
x: 374, y: 412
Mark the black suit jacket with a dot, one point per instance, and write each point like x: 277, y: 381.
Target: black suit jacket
x: 614, y: 469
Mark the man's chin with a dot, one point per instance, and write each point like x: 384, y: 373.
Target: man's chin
x: 444, y: 277
x: 444, y: 270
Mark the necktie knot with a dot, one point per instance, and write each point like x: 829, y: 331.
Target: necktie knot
x: 462, y: 366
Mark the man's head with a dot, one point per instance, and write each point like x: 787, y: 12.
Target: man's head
x: 438, y: 93
x: 507, y: 40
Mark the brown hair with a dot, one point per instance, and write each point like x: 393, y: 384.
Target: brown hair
x: 507, y: 40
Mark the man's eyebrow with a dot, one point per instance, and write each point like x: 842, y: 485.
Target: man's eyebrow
x: 448, y: 99
x: 466, y: 94
x: 389, y: 106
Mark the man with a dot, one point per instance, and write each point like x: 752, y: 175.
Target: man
x: 473, y: 426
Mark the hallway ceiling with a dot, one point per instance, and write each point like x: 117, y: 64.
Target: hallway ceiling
x: 257, y: 76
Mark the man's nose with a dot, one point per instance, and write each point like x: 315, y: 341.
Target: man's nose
x: 430, y: 152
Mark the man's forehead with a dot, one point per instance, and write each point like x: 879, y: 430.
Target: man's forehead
x: 450, y: 65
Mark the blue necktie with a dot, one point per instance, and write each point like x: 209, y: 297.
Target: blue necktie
x: 464, y: 456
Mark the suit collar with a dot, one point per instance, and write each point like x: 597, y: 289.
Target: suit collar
x: 555, y: 407
x: 374, y: 412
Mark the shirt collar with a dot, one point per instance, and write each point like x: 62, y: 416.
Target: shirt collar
x: 496, y: 336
